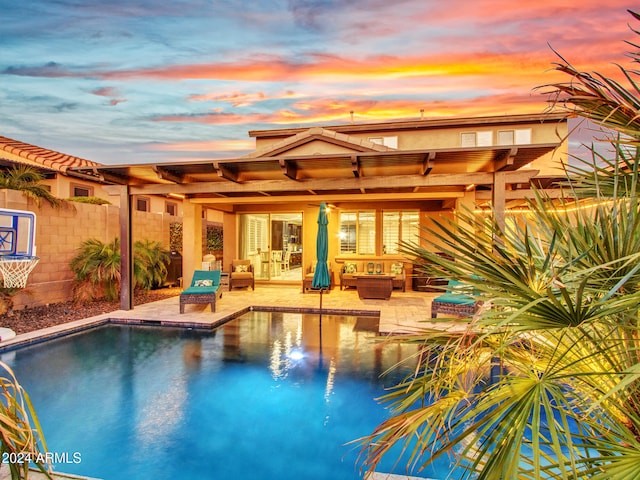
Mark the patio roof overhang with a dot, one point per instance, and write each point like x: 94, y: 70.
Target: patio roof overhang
x: 398, y: 175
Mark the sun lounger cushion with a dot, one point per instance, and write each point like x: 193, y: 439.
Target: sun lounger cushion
x: 456, y: 300
x: 205, y: 288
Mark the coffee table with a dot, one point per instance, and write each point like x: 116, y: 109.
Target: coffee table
x: 374, y: 286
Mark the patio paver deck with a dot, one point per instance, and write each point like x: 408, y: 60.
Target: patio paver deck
x: 404, y: 312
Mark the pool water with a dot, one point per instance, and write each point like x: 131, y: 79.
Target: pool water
x: 266, y: 396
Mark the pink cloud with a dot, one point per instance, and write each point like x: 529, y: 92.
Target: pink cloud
x: 110, y: 93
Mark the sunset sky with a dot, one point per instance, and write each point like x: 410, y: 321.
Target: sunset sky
x: 137, y: 81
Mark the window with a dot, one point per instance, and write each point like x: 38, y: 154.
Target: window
x: 514, y: 137
x: 505, y: 137
x: 476, y: 139
x: 523, y: 137
x: 171, y: 208
x: 81, y: 191
x: 142, y: 204
x: 484, y: 139
x: 391, y: 142
x: 348, y: 222
x: 468, y: 139
x: 256, y: 230
x: 398, y: 227
x: 358, y: 232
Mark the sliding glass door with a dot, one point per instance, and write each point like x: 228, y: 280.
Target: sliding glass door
x: 273, y: 243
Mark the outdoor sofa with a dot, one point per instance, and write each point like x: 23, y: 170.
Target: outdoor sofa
x: 351, y: 269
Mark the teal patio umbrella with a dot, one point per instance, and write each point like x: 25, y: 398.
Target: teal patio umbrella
x: 321, y: 278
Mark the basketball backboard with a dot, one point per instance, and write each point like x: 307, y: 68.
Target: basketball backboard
x: 17, y: 232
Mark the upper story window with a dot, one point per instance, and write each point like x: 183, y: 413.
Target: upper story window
x: 171, y: 208
x: 358, y: 232
x: 143, y: 204
x: 514, y: 137
x: 476, y: 139
x: 389, y: 141
x: 399, y: 227
x: 81, y: 191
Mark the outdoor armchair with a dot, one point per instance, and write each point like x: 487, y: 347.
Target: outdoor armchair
x: 241, y: 274
x: 205, y: 288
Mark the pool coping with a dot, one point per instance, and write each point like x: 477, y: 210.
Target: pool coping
x: 36, y: 474
x: 119, y: 317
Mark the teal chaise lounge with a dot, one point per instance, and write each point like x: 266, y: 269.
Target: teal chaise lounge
x: 205, y: 288
x: 455, y: 301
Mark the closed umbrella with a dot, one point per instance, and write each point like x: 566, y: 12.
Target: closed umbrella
x: 321, y: 277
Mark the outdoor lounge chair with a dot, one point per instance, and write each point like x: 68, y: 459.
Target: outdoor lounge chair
x: 205, y: 288
x: 455, y: 301
x: 241, y: 274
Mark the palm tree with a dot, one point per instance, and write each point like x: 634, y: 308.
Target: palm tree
x: 561, y: 336
x: 97, y: 268
x: 29, y: 181
x: 20, y: 429
x: 150, y: 264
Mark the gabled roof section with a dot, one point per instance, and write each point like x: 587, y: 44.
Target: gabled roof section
x: 43, y: 157
x: 318, y: 133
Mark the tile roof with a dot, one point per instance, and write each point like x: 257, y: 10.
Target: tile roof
x: 41, y: 156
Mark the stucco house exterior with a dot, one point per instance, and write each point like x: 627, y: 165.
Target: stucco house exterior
x: 381, y: 180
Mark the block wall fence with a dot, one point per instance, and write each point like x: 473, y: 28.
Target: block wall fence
x: 59, y: 233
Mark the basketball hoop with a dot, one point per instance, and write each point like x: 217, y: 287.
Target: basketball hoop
x: 15, y: 269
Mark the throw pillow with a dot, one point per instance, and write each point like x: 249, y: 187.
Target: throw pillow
x: 396, y: 268
x: 242, y: 268
x: 350, y: 267
x: 204, y: 283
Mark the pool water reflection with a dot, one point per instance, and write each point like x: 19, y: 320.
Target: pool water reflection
x: 266, y: 396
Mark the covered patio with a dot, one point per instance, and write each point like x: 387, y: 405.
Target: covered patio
x: 294, y: 170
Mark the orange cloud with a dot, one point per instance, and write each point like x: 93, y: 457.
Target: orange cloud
x: 240, y: 99
x: 206, y: 146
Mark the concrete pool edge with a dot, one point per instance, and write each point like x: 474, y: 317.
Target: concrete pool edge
x: 37, y: 475
x: 120, y: 317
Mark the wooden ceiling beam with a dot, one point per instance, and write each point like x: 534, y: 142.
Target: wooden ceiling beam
x: 224, y: 172
x: 355, y: 166
x: 343, y: 197
x: 316, y: 184
x: 506, y: 160
x: 521, y: 194
x: 428, y: 163
x: 288, y: 168
x: 107, y: 177
x: 165, y: 174
x: 449, y: 203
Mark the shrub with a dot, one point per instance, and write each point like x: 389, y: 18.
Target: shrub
x: 214, y: 237
x: 97, y: 268
x: 175, y: 237
x: 91, y: 200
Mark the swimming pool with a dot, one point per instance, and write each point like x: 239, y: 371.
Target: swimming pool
x: 266, y: 396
